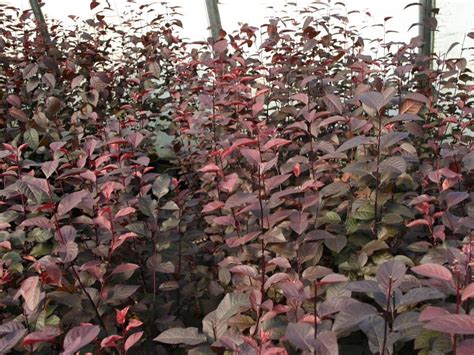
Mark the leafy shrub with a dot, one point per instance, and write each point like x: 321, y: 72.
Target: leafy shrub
x: 319, y: 200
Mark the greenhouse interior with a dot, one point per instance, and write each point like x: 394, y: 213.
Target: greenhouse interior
x: 262, y: 177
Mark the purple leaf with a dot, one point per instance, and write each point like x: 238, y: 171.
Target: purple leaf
x: 31, y: 292
x: 70, y: 201
x: 352, y: 315
x: 275, y: 278
x: 299, y: 221
x: 78, y: 337
x: 301, y: 335
x: 333, y: 103
x: 390, y: 274
x: 365, y: 286
x: 300, y: 97
x: 453, y: 198
x: 239, y: 199
x: 326, y: 343
x: 68, y: 251
x: 187, y: 336
x: 372, y: 99
x: 354, y: 142
x: 49, y: 167
x: 465, y: 347
x: 11, y: 333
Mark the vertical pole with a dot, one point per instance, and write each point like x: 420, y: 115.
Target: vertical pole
x: 214, y: 18
x: 427, y: 34
x: 35, y: 6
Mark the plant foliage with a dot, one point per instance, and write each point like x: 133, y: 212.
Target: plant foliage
x: 287, y: 189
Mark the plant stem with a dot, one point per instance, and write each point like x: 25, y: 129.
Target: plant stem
x: 387, y: 309
x: 99, y: 317
x: 315, y: 305
x: 377, y: 175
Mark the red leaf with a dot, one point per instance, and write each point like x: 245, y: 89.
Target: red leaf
x: 418, y: 222
x: 453, y: 324
x: 431, y: 312
x: 224, y: 220
x: 132, y: 340
x: 434, y: 271
x: 229, y: 182
x: 243, y: 141
x: 220, y: 46
x: 251, y: 155
x: 245, y: 270
x: 18, y: 114
x: 275, y: 278
x: 30, y: 291
x: 132, y: 324
x: 6, y: 245
x: 212, y: 206
x: 468, y: 292
x: 14, y: 100
x: 209, y: 168
x: 48, y: 334
x: 122, y: 239
x: 121, y: 315
x: 110, y: 341
x: 281, y: 262
x: 300, y: 97
x: 236, y: 241
x: 124, y: 268
x: 465, y: 347
x: 125, y: 212
x: 297, y: 169
x: 275, y: 143
x: 332, y: 278
x: 42, y: 222
x: 258, y: 105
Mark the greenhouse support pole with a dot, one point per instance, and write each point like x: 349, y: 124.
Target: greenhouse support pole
x: 214, y: 18
x: 36, y: 8
x: 427, y: 34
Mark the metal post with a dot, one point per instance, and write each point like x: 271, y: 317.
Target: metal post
x: 35, y: 6
x: 214, y: 18
x: 426, y: 33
